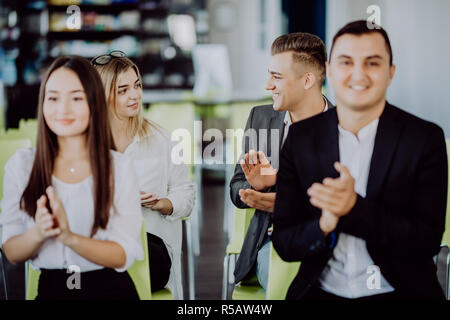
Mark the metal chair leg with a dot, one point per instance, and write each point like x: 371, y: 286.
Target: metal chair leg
x: 3, y: 265
x: 229, y: 263
x: 231, y: 266
x: 190, y: 251
x: 447, y: 291
x: 195, y: 217
x: 226, y: 260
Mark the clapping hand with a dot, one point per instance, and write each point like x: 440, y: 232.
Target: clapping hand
x: 258, y: 200
x: 44, y: 221
x: 336, y: 197
x: 258, y: 171
x: 59, y: 215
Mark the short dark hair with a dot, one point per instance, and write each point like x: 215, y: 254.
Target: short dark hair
x: 307, y: 48
x: 361, y: 27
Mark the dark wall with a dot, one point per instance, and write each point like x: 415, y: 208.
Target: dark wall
x: 305, y: 16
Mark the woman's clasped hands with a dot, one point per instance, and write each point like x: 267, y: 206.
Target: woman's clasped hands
x: 54, y: 223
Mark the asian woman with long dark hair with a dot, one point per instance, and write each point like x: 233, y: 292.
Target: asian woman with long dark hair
x: 72, y: 202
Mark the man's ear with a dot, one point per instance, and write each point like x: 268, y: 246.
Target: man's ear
x: 391, y: 73
x: 310, y: 80
x: 327, y: 69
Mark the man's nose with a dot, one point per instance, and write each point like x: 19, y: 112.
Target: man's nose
x: 269, y: 84
x: 358, y: 72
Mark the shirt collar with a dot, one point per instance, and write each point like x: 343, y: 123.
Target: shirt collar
x: 287, y: 119
x: 326, y: 104
x: 367, y: 131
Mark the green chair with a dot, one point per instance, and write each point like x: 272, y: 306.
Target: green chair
x: 446, y: 236
x: 281, y: 275
x: 31, y: 282
x: 249, y: 290
x: 139, y: 273
x: 246, y: 290
x: 172, y: 116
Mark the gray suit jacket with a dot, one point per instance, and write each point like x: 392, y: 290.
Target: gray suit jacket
x: 267, y: 135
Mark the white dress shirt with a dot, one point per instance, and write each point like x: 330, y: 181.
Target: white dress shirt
x: 348, y: 271
x: 158, y: 174
x: 124, y: 223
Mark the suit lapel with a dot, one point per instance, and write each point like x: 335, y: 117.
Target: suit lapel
x: 276, y: 123
x: 328, y: 146
x: 386, y: 139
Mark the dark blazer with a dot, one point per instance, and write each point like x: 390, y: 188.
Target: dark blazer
x: 401, y: 218
x: 261, y: 117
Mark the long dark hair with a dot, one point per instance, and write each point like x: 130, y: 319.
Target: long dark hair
x: 99, y: 141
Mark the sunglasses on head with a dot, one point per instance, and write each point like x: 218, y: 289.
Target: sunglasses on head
x: 106, y: 58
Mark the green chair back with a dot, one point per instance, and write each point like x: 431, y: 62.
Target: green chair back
x: 172, y: 116
x: 281, y: 274
x: 242, y: 218
x: 32, y: 282
x: 140, y: 274
x: 446, y: 236
x: 249, y: 289
x: 248, y: 292
x: 139, y: 271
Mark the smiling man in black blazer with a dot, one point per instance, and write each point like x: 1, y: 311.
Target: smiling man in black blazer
x: 361, y: 189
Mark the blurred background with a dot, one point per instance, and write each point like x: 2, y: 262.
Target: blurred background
x: 206, y: 60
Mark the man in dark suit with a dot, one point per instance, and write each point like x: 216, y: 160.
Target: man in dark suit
x: 361, y: 189
x: 297, y: 72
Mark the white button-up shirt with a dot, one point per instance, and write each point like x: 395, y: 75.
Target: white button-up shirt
x: 158, y: 174
x: 349, y: 272
x: 124, y: 225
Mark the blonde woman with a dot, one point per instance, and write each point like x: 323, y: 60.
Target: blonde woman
x: 167, y: 193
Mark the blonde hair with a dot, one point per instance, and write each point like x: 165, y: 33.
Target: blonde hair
x: 110, y: 73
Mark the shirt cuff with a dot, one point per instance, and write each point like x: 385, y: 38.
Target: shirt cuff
x: 332, y: 240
